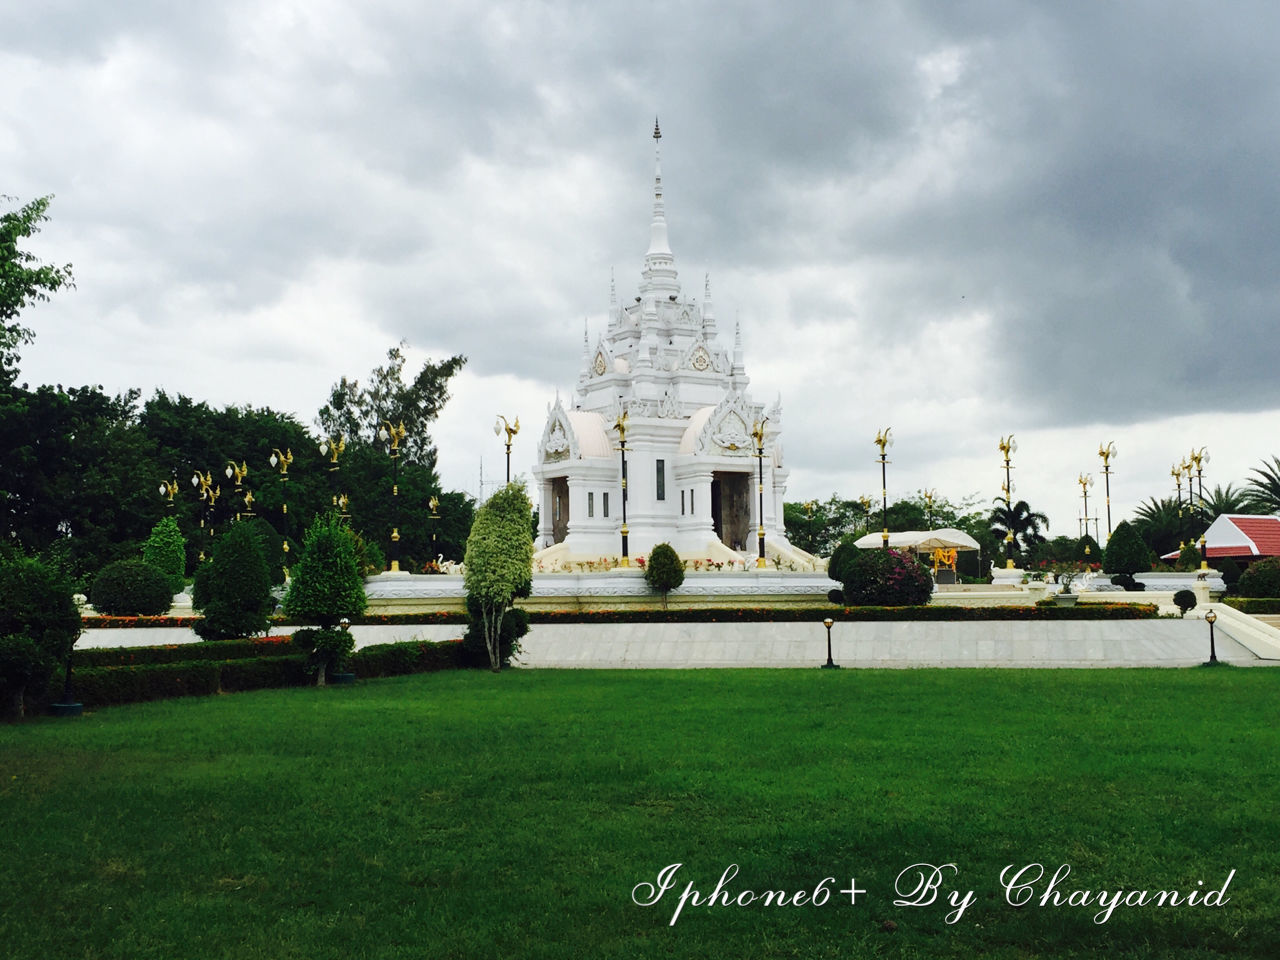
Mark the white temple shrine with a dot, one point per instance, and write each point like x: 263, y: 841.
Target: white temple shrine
x: 693, y: 469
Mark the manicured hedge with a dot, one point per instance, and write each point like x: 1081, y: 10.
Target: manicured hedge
x: 156, y: 673
x: 396, y: 659
x: 1254, y: 604
x: 104, y: 686
x: 219, y: 650
x: 122, y: 623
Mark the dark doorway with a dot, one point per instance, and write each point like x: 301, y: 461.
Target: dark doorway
x: 559, y: 509
x: 731, y: 508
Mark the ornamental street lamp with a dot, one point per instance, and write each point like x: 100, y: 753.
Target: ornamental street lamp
x: 929, y: 496
x: 757, y: 434
x: 392, y: 436
x: 169, y: 488
x: 1211, y: 618
x: 1176, y: 472
x: 1198, y: 458
x: 621, y: 426
x: 1086, y: 481
x: 1008, y: 447
x: 237, y: 475
x: 1107, y: 452
x: 333, y: 448
x: 499, y: 426
x: 865, y: 502
x: 809, y: 507
x: 280, y: 462
x: 829, y: 665
x: 209, y: 496
x: 434, y: 505
x: 884, y: 441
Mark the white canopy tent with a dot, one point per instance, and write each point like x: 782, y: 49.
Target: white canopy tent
x: 946, y: 538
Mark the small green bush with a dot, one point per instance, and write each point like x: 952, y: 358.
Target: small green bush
x: 235, y: 588
x: 1261, y: 579
x: 1189, y: 558
x: 397, y: 659
x: 327, y: 584
x: 1184, y: 600
x: 1126, y: 553
x: 1230, y: 571
x: 39, y: 624
x: 131, y: 588
x: 166, y: 550
x: 889, y: 578
x: 664, y: 572
x: 328, y: 650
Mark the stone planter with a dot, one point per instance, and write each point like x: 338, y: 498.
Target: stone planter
x: 1066, y: 599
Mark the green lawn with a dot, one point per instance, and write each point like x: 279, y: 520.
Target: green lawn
x: 463, y: 814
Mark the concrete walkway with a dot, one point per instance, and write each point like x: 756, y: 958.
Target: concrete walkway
x: 1080, y: 643
x: 1068, y: 643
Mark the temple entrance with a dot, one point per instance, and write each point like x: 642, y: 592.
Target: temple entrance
x: 731, y: 508
x: 559, y: 509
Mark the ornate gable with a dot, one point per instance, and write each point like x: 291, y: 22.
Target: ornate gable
x: 601, y: 360
x: 559, y: 442
x: 701, y: 357
x: 728, y: 430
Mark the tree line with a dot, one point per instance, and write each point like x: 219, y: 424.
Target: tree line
x: 84, y: 475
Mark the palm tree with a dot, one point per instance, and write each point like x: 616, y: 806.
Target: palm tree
x: 1264, y: 489
x: 1228, y: 499
x: 1019, y: 519
x: 1160, y: 524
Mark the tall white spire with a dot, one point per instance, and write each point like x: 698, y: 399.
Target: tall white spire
x: 660, y: 280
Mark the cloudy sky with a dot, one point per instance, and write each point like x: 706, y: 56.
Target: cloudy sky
x: 964, y: 220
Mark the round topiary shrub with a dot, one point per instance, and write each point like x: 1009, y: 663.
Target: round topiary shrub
x: 886, y: 578
x: 131, y: 588
x: 234, y: 588
x: 1261, y: 579
x: 839, y: 557
x: 1184, y: 600
x: 327, y: 584
x: 664, y: 571
x: 39, y: 624
x: 166, y: 550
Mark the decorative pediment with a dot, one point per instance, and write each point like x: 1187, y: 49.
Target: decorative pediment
x: 701, y: 357
x: 601, y: 360
x: 728, y: 429
x: 558, y: 439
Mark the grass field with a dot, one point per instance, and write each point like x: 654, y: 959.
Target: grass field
x: 464, y: 814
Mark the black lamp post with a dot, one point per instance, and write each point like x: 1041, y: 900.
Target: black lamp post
x: 209, y: 496
x: 929, y: 496
x: 1086, y: 481
x: 757, y: 434
x: 1198, y: 459
x: 434, y: 506
x: 499, y: 426
x: 1211, y: 618
x: 621, y: 426
x: 237, y: 475
x: 884, y: 441
x: 280, y: 461
x: 392, y: 436
x: 829, y: 665
x: 1107, y: 452
x: 809, y: 507
x: 333, y: 447
x: 1008, y: 447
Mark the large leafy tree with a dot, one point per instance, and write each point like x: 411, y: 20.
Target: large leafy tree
x: 23, y: 279
x: 356, y: 412
x: 1264, y: 487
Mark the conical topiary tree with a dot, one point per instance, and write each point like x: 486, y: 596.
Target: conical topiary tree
x: 166, y: 550
x: 327, y: 587
x: 664, y: 571
x: 234, y: 588
x: 1126, y: 554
